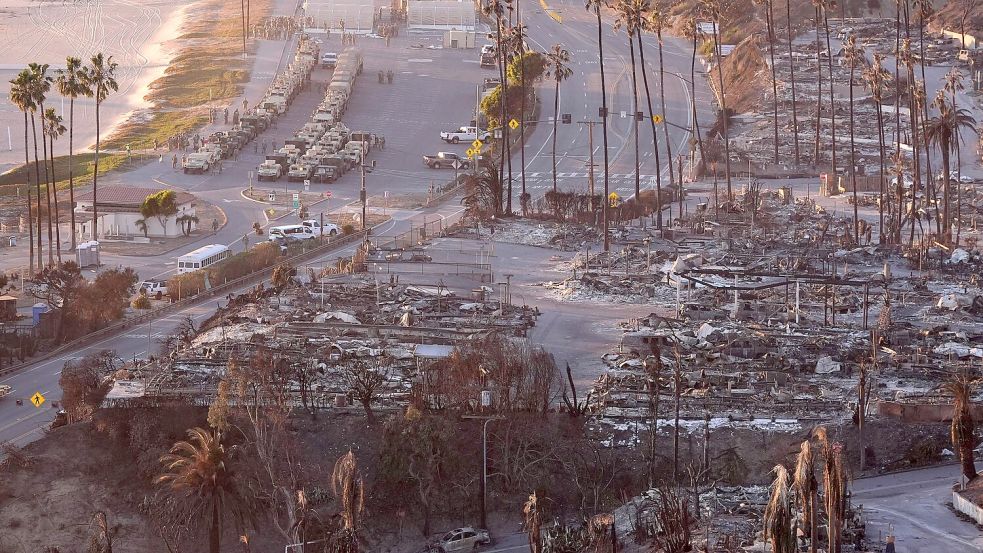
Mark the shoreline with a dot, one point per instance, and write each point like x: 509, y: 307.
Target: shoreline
x: 159, y: 51
x: 142, y: 38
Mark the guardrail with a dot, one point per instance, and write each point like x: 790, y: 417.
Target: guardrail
x: 240, y: 282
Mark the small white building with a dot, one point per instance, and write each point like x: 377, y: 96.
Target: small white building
x: 119, y: 211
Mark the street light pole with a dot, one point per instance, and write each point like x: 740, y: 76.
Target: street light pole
x: 484, y: 462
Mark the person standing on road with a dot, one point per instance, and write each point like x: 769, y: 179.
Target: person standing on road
x: 174, y: 162
x: 226, y: 116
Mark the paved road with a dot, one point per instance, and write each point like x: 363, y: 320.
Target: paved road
x: 580, y: 96
x: 915, y: 504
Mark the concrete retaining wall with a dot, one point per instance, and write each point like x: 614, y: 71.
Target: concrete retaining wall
x: 966, y: 507
x: 921, y: 412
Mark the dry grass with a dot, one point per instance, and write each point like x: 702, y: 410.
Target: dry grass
x: 83, y: 165
x: 161, y: 126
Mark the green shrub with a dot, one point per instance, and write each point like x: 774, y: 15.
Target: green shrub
x: 140, y: 302
x: 186, y: 285
x: 348, y: 229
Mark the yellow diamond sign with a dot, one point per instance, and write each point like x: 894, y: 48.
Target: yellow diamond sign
x: 37, y: 399
x: 477, y: 144
x: 656, y: 118
x: 613, y: 199
x: 470, y: 153
x: 513, y: 124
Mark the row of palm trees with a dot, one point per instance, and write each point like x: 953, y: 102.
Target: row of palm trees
x: 28, y: 92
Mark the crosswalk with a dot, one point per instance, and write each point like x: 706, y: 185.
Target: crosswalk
x: 597, y: 176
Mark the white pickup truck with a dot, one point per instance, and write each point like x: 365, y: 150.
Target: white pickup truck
x: 464, y: 134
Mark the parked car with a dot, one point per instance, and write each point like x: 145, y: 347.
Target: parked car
x: 444, y: 160
x: 463, y: 539
x: 154, y: 288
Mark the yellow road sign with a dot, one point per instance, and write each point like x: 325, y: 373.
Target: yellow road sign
x: 656, y: 118
x: 477, y: 144
x: 470, y: 153
x: 613, y: 199
x: 513, y: 124
x: 37, y: 399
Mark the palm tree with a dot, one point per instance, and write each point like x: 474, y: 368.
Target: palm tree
x: 963, y: 438
x: 53, y: 128
x: 347, y: 485
x: 817, y: 8
x: 653, y: 21
x: 943, y: 132
x: 834, y: 488
x: 854, y: 56
x: 906, y: 58
x: 557, y: 68
x: 795, y: 116
x: 40, y: 85
x: 496, y: 9
x: 770, y: 27
x: 779, y: 515
x: 628, y: 16
x: 806, y: 488
x: 954, y: 84
x: 532, y: 517
x: 71, y: 83
x: 101, y: 78
x: 875, y: 78
x: 595, y: 5
x: 199, y: 484
x: 517, y: 47
x: 21, y: 97
x: 826, y: 5
x: 712, y: 10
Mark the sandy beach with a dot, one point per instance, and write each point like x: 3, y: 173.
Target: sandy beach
x: 139, y: 34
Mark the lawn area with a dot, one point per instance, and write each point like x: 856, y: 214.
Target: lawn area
x: 83, y: 167
x: 162, y: 125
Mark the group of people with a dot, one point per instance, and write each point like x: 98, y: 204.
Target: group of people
x: 275, y: 28
x: 386, y: 76
x: 182, y: 142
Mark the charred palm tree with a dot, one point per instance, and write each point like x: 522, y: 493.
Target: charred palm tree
x: 795, y: 114
x: 875, y: 78
x: 834, y: 489
x: 711, y: 9
x: 653, y: 19
x: 779, y: 516
x: 656, y: 22
x: 20, y: 95
x: 72, y: 83
x: 963, y: 428
x: 629, y: 18
x: 595, y: 6
x: 54, y: 129
x: 907, y: 60
x: 826, y: 6
x: 855, y: 57
x: 817, y: 6
x: 557, y: 68
x: 532, y: 518
x: 347, y: 486
x: 806, y: 488
x: 770, y: 31
x: 101, y: 79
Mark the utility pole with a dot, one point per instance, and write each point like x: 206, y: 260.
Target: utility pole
x: 361, y: 192
x: 590, y: 163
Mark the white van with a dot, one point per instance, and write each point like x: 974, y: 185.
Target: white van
x: 291, y: 232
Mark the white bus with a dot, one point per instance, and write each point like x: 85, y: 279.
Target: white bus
x: 204, y: 256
